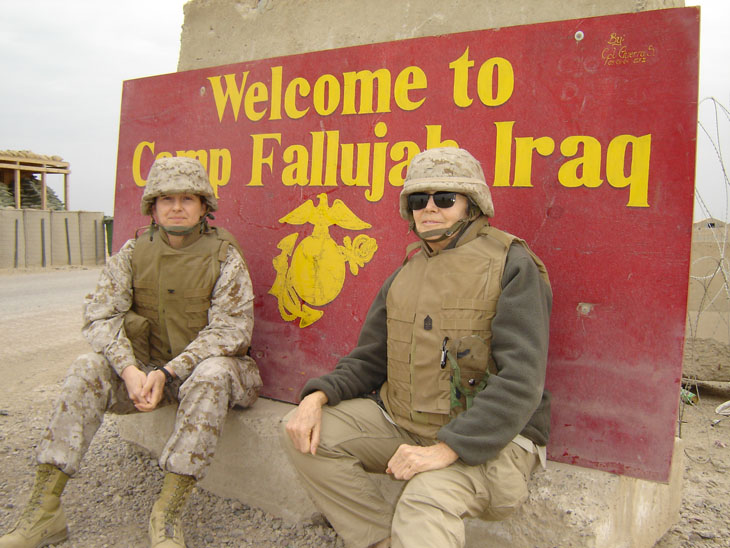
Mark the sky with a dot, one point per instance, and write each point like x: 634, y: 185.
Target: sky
x: 63, y: 64
x: 713, y: 134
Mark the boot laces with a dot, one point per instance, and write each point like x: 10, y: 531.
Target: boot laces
x: 42, y: 478
x: 174, y: 508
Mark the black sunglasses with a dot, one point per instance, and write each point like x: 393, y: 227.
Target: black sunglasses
x: 442, y: 200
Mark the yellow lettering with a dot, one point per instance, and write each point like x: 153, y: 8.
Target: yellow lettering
x: 461, y: 79
x: 503, y: 153
x: 505, y: 81
x: 220, y: 163
x: 328, y: 162
x: 276, y: 78
x: 366, y: 79
x: 360, y: 178
x: 523, y: 157
x: 333, y: 151
x: 220, y: 168
x: 354, y: 92
x: 380, y: 150
x: 232, y: 92
x: 256, y: 93
x: 585, y: 170
x: 139, y: 180
x: 317, y: 158
x: 638, y: 178
x: 326, y: 97
x: 410, y: 78
x: 258, y: 159
x: 433, y: 138
x: 300, y: 87
x: 402, y: 153
x: 295, y: 173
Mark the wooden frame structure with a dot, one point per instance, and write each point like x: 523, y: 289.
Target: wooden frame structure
x: 34, y: 164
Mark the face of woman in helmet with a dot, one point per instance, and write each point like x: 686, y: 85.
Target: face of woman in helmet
x: 433, y: 217
x: 184, y: 210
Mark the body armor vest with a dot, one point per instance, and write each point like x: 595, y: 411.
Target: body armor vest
x: 442, y: 306
x: 173, y: 290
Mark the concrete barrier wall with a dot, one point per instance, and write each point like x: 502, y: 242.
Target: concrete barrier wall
x: 233, y: 31
x: 567, y: 506
x: 92, y: 242
x: 12, y: 239
x: 707, y: 346
x: 35, y: 238
x: 65, y: 248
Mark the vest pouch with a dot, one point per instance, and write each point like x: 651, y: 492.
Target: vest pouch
x: 470, y: 359
x: 197, y: 304
x: 137, y: 329
x: 400, y: 334
x: 472, y: 351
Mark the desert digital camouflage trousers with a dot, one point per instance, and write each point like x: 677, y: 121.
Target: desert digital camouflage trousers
x: 92, y: 388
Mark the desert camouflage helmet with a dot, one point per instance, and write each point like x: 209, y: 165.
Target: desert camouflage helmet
x: 446, y: 169
x: 177, y: 175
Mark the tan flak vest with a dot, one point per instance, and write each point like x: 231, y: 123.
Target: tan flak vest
x: 172, y: 291
x: 451, y: 294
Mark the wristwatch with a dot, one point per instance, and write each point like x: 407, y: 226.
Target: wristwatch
x: 168, y: 376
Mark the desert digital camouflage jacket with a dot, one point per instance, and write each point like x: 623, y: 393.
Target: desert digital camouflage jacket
x: 227, y: 333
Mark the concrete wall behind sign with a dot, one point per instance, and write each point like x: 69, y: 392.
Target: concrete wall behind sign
x: 43, y: 238
x: 219, y: 32
x: 707, y: 347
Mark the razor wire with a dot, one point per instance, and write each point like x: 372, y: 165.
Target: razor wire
x: 709, y: 271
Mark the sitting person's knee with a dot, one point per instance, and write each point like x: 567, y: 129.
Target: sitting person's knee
x: 89, y: 367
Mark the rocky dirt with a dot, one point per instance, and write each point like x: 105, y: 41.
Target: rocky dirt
x: 706, y: 491
x: 107, y: 503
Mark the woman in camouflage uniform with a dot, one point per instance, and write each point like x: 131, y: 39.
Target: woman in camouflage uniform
x: 170, y: 321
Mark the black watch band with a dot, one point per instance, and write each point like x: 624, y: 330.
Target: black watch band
x: 168, y: 376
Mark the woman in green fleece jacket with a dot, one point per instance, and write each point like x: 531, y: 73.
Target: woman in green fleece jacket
x: 445, y: 388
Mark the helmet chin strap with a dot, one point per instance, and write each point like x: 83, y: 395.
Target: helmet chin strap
x: 443, y: 233
x: 173, y: 230
x: 180, y: 230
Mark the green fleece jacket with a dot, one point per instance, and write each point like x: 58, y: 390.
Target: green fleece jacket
x: 514, y: 400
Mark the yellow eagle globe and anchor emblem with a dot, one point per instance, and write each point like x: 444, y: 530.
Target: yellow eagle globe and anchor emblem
x: 316, y: 274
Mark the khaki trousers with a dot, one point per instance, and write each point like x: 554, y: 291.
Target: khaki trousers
x: 358, y: 438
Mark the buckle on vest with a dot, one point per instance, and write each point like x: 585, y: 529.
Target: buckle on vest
x: 426, y: 417
x: 419, y: 417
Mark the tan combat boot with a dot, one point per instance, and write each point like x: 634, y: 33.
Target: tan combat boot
x: 42, y: 521
x: 166, y: 516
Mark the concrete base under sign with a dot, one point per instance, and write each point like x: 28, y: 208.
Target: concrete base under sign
x: 568, y: 506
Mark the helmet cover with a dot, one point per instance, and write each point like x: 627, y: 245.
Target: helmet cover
x: 446, y: 169
x: 177, y: 175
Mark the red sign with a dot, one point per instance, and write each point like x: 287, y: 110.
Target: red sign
x: 586, y: 130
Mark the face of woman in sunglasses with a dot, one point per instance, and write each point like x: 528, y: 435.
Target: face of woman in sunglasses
x: 433, y: 217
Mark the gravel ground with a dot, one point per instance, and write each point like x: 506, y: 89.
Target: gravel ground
x: 108, y: 502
